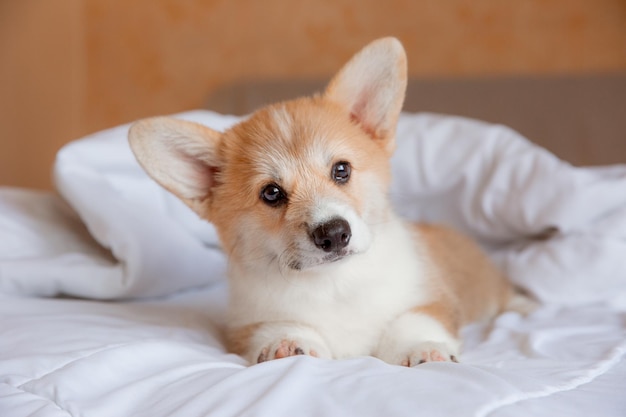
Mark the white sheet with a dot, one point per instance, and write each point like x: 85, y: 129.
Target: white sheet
x: 164, y: 357
x: 119, y: 236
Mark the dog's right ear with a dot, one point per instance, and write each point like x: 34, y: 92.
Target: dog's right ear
x: 371, y: 87
x: 179, y: 155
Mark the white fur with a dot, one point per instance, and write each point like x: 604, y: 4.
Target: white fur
x: 413, y: 338
x: 283, y: 121
x: 349, y: 304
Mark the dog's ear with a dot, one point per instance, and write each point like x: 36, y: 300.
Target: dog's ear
x: 371, y: 86
x: 179, y: 155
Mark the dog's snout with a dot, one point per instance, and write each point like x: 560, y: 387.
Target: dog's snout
x: 333, y: 235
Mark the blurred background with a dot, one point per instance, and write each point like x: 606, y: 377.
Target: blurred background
x: 72, y: 67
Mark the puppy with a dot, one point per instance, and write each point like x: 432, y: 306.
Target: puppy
x: 319, y: 264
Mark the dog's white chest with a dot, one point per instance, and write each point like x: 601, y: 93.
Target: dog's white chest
x: 355, y: 319
x: 349, y: 302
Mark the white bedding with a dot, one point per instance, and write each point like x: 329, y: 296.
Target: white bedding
x: 558, y: 231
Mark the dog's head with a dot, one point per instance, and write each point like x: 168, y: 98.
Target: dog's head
x: 301, y: 183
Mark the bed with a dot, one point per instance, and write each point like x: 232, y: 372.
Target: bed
x: 113, y: 297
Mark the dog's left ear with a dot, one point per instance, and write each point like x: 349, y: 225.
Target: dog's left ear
x: 371, y: 86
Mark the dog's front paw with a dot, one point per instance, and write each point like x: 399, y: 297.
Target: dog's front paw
x: 429, y: 352
x: 276, y: 340
x: 285, y: 348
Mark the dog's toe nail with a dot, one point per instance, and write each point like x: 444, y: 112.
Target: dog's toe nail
x: 262, y: 356
x: 299, y: 351
x: 454, y: 359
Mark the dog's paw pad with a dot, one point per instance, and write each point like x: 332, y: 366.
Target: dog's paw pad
x: 429, y: 352
x: 284, y: 349
x: 288, y: 348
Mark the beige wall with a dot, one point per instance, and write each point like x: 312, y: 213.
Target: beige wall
x: 69, y: 67
x: 42, y: 72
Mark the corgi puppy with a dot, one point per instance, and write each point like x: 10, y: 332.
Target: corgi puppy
x: 319, y: 264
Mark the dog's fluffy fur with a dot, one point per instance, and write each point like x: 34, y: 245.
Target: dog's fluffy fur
x: 319, y: 264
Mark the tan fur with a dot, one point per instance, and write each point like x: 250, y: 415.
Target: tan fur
x: 444, y: 311
x: 467, y: 281
x: 238, y: 340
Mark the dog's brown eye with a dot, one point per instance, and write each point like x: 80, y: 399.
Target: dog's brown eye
x: 341, y: 172
x: 273, y: 195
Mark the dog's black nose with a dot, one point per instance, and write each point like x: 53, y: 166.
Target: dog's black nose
x: 333, y: 235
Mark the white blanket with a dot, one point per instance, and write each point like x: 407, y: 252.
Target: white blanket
x: 557, y: 230
x: 164, y: 358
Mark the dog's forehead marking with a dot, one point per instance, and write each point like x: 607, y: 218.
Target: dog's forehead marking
x: 293, y: 147
x: 282, y: 121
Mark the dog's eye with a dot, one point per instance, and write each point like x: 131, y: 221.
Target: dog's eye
x: 273, y: 195
x: 341, y: 172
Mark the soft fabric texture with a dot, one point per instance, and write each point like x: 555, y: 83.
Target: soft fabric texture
x: 165, y: 358
x: 557, y: 230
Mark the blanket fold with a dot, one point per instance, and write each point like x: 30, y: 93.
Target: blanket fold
x: 557, y: 230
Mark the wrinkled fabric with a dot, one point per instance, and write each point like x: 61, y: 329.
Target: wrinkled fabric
x: 165, y: 357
